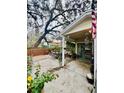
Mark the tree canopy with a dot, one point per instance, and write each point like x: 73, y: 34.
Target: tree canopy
x: 50, y: 16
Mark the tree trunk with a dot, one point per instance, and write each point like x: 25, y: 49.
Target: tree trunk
x: 37, y: 44
x: 39, y: 41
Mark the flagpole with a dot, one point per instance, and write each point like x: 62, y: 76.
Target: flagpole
x: 95, y: 61
x: 94, y: 42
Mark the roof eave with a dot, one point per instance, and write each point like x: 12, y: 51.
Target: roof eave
x: 85, y: 15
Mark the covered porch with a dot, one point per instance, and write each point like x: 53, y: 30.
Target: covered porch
x: 79, y: 35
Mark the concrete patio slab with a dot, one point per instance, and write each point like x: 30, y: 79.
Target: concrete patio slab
x: 72, y: 77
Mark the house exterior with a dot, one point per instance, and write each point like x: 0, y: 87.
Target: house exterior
x: 79, y: 33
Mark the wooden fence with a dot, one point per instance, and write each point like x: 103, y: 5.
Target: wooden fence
x: 37, y: 51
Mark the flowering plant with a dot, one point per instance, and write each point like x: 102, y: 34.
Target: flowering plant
x: 36, y: 83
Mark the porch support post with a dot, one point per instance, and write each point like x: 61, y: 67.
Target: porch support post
x: 63, y: 52
x: 75, y: 47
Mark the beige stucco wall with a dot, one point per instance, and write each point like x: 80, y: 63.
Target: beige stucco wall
x: 85, y: 24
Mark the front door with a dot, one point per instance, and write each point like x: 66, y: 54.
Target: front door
x: 81, y: 50
x: 84, y: 51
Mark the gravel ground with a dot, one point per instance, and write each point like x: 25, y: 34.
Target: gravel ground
x: 71, y: 78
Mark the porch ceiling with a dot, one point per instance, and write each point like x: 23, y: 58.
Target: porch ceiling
x: 80, y: 35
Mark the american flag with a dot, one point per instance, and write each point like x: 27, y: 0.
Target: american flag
x: 94, y: 19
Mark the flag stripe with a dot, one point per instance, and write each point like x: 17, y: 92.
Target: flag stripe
x: 93, y: 20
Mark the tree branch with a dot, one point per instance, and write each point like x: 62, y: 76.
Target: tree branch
x: 46, y: 40
x: 56, y: 3
x: 48, y: 22
x: 57, y: 26
x: 61, y: 13
x: 52, y: 34
x: 54, y: 31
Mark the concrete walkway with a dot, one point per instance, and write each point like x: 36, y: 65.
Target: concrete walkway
x: 71, y: 78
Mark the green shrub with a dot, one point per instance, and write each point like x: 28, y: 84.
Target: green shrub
x: 29, y: 65
x: 36, y: 84
x: 29, y: 59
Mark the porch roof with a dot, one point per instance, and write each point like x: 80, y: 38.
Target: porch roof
x: 78, y: 29
x: 80, y: 35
